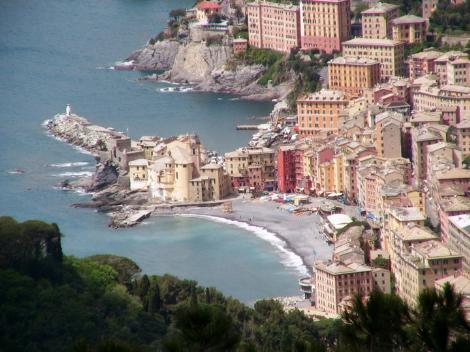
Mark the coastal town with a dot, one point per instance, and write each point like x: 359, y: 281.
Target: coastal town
x: 374, y: 160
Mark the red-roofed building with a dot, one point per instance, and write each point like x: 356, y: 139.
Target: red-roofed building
x: 206, y: 9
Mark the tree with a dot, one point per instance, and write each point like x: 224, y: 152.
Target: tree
x: 153, y: 301
x: 201, y: 327
x: 438, y: 317
x: 177, y: 13
x: 376, y: 325
x: 144, y: 286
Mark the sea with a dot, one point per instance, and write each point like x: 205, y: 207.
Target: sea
x: 58, y: 52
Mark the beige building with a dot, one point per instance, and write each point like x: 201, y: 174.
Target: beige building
x: 426, y: 263
x: 273, y: 26
x: 352, y: 75
x: 178, y: 174
x: 430, y: 96
x: 252, y: 167
x: 377, y: 20
x: 453, y: 67
x: 325, y: 24
x: 388, y: 52
x: 388, y: 127
x: 409, y: 29
x: 459, y: 237
x: 138, y: 174
x: 461, y: 285
x: 320, y: 111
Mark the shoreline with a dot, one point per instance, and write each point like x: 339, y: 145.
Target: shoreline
x: 297, y: 237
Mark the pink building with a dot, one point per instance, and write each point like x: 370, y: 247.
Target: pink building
x: 325, y: 24
x: 336, y: 282
x: 273, y: 26
x: 239, y: 46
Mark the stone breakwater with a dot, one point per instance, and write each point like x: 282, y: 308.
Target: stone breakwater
x: 78, y: 131
x: 108, y: 195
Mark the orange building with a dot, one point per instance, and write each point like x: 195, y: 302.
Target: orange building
x: 351, y: 75
x: 325, y: 24
x: 319, y: 112
x: 273, y: 26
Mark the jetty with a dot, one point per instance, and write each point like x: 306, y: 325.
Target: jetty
x: 247, y: 127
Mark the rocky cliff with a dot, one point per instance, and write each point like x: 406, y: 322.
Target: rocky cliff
x: 205, y: 66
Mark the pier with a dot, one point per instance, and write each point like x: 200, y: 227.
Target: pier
x: 247, y: 127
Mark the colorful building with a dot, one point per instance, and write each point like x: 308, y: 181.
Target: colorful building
x: 251, y: 168
x: 325, y: 24
x: 352, y: 75
x: 377, y: 20
x: 409, y: 29
x: 320, y: 112
x: 389, y: 53
x: 273, y: 26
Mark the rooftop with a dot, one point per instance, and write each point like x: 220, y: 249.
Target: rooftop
x: 337, y: 267
x: 461, y: 221
x: 352, y: 60
x: 408, y: 19
x: 427, y: 54
x: 407, y: 214
x: 339, y: 220
x: 460, y: 283
x: 324, y: 95
x: 380, y: 8
x: 452, y: 174
x: 372, y: 42
x: 208, y: 5
x: 457, y: 203
x: 139, y: 162
x: 434, y: 249
x: 417, y: 233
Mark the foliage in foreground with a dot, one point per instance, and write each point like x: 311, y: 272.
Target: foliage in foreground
x: 49, y: 302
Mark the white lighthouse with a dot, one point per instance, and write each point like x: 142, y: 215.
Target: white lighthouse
x: 68, y: 110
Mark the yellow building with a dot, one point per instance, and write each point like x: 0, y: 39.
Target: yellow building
x: 389, y: 53
x: 351, y: 75
x: 325, y: 24
x: 377, y: 20
x: 409, y: 29
x: 388, y: 126
x: 319, y: 112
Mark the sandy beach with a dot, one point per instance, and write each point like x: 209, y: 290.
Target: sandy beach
x: 297, y: 234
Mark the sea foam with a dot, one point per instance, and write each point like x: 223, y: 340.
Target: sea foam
x: 74, y: 164
x: 288, y: 257
x: 74, y: 174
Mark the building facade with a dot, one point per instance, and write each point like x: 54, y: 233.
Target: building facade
x: 377, y: 20
x: 388, y: 52
x: 325, y: 24
x: 273, y: 26
x: 409, y: 29
x: 352, y: 75
x: 320, y: 112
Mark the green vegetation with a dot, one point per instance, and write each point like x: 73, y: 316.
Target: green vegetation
x: 380, y: 262
x: 449, y: 17
x: 408, y: 7
x: 49, y: 302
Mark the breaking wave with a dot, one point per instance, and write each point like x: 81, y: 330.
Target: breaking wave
x: 289, y: 258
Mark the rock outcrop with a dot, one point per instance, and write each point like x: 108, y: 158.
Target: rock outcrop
x: 157, y: 57
x: 105, y: 175
x: 204, y: 66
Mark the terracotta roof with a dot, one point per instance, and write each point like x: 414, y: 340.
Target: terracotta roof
x: 208, y: 5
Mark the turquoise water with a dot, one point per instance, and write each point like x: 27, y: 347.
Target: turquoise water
x: 54, y: 52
